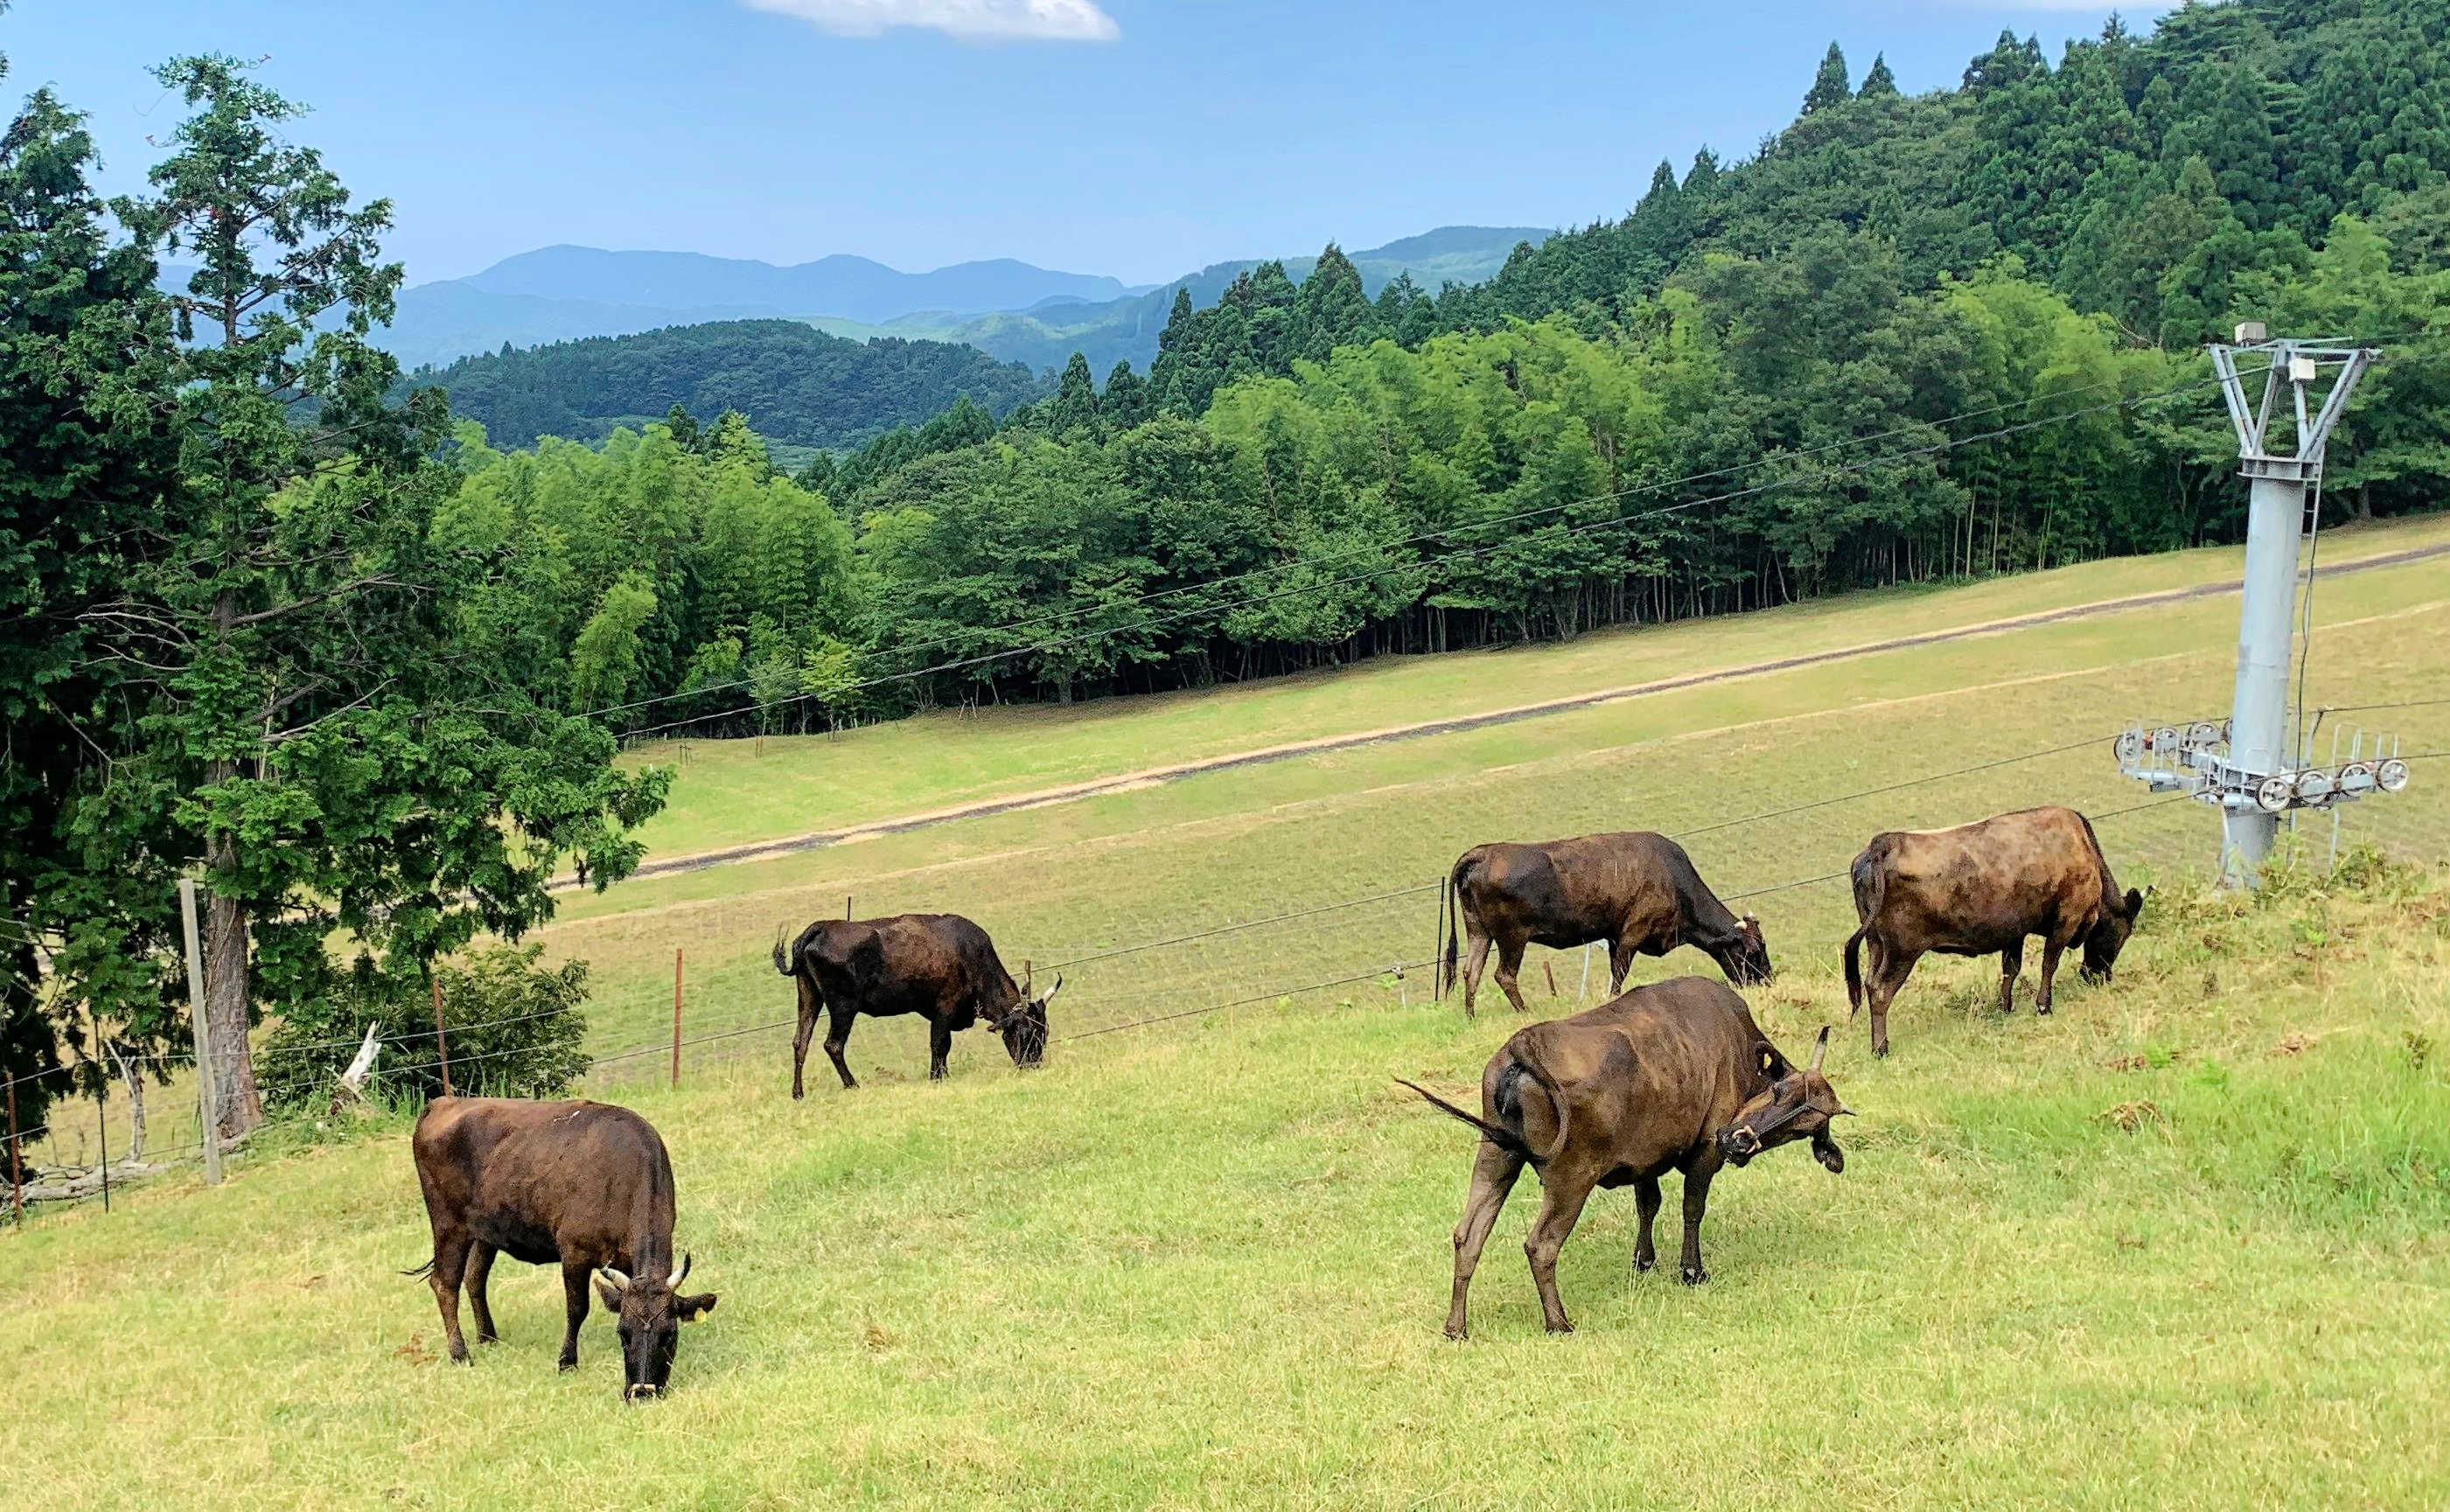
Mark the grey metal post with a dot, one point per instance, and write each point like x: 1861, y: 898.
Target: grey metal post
x: 2266, y: 616
x: 2265, y: 626
x: 208, y: 1104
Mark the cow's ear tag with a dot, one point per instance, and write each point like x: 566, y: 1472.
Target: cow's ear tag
x: 1769, y: 1061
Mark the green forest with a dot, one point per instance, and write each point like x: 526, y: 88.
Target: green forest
x: 1771, y: 379
x: 800, y: 386
x: 358, y: 650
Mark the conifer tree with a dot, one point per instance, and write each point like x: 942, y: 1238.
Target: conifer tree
x: 1829, y: 87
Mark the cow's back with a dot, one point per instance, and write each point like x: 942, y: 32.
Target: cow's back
x: 1983, y: 885
x: 1589, y: 886
x: 542, y: 1181
x: 1650, y: 1074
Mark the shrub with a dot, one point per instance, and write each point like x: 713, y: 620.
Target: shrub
x: 513, y: 1029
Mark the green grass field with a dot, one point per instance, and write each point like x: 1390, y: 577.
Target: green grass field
x: 2185, y: 1243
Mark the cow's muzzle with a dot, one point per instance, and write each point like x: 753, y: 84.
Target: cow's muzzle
x: 642, y: 1392
x: 1739, y: 1144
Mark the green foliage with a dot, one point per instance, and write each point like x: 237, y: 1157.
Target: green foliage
x: 795, y: 383
x: 512, y: 1027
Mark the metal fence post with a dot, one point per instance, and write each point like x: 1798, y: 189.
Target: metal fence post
x: 208, y: 1100
x: 16, y: 1172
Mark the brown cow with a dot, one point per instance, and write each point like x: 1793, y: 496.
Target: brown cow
x: 581, y: 1184
x: 939, y: 966
x: 1979, y: 888
x: 1672, y: 1077
x: 1637, y: 891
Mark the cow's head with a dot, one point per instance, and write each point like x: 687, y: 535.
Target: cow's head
x: 651, y: 1314
x: 2109, y: 937
x: 1795, y: 1105
x: 1747, y: 957
x: 1024, y: 1026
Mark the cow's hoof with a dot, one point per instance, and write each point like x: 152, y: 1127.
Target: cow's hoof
x: 565, y: 1366
x: 1457, y: 1332
x: 1695, y: 1275
x: 1645, y: 1263
x: 2042, y: 1010
x: 1560, y: 1325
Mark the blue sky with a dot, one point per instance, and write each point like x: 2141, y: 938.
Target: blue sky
x: 1140, y: 137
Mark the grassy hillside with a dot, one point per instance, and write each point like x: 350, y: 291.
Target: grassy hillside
x: 2179, y: 1244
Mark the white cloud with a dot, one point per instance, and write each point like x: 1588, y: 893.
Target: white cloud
x: 970, y: 20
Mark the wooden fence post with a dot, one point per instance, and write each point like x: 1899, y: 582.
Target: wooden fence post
x: 441, y: 1049
x: 16, y: 1173
x: 207, y: 1099
x: 677, y: 1015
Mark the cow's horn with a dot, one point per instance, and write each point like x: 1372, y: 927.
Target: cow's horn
x: 616, y: 1278
x: 1820, y: 1047
x: 1052, y: 991
x: 686, y: 1258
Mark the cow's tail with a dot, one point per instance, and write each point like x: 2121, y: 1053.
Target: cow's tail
x: 424, y: 1269
x: 1449, y: 974
x: 782, y: 955
x: 1496, y: 1134
x: 1869, y: 875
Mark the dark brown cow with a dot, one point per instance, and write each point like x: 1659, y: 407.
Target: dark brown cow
x: 939, y: 966
x: 1981, y: 888
x: 1672, y: 1077
x: 1637, y: 891
x: 580, y: 1184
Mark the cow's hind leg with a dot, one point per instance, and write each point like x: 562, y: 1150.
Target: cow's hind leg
x: 1509, y: 965
x: 480, y: 1267
x: 450, y: 1263
x: 2011, y: 962
x: 1561, y: 1208
x: 1620, y: 961
x: 1697, y: 1202
x: 574, y: 1296
x: 939, y: 1045
x: 1894, y: 967
x: 1472, y: 967
x: 1493, y: 1171
x: 1646, y: 1202
x: 810, y: 1002
x: 838, y: 1035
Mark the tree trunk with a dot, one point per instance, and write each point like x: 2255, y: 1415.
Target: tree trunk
x: 227, y: 950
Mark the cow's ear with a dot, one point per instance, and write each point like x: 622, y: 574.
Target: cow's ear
x: 610, y: 1294
x: 690, y: 1307
x: 1771, y: 1063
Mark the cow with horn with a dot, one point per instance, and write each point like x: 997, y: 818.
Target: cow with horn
x: 939, y: 966
x: 1672, y: 1077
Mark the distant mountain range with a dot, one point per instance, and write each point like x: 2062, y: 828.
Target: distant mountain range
x: 1010, y: 310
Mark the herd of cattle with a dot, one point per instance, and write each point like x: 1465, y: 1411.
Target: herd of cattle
x: 1672, y: 1077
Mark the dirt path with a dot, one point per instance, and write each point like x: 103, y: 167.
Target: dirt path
x: 1149, y: 777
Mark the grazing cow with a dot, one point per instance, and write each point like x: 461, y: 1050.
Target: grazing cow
x: 1979, y: 888
x: 939, y: 966
x: 1672, y: 1077
x: 1637, y: 891
x: 583, y: 1184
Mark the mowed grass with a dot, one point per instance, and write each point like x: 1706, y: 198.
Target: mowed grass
x: 733, y: 792
x: 2181, y: 1244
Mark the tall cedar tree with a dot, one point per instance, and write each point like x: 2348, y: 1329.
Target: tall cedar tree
x: 307, y: 730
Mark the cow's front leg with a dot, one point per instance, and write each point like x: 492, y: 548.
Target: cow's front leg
x: 1620, y: 961
x: 939, y: 1045
x: 480, y: 1267
x: 1647, y: 1203
x: 1561, y: 1208
x: 449, y: 1262
x: 1493, y: 1170
x: 2011, y: 960
x: 2052, y: 950
x: 1509, y: 966
x: 1697, y: 1202
x: 838, y: 1035
x: 574, y: 1298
